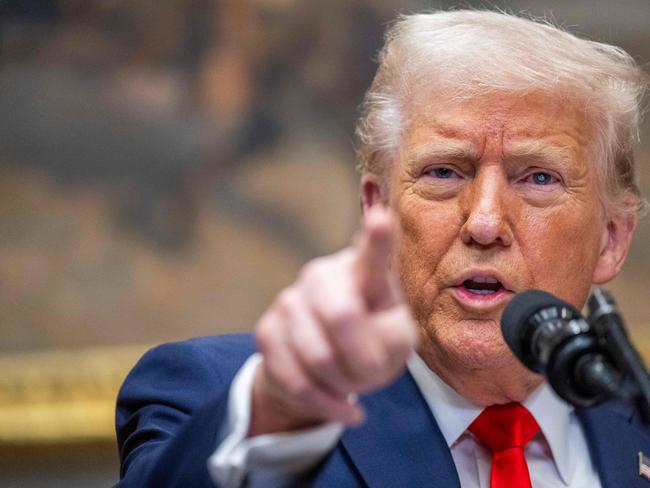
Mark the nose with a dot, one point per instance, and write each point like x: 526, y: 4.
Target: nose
x: 485, y: 209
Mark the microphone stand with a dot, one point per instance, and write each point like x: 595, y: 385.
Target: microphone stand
x: 606, y: 322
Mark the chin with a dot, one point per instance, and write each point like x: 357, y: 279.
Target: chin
x: 495, y: 376
x: 482, y: 356
x: 478, y: 365
x: 476, y: 345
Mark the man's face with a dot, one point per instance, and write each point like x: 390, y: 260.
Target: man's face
x: 495, y: 195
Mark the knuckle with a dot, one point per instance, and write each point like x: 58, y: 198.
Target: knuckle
x: 341, y: 315
x: 313, y: 269
x: 286, y: 299
x: 320, y: 360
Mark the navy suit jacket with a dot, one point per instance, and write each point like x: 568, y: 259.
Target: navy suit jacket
x: 172, y: 405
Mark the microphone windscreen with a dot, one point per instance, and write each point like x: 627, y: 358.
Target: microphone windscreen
x: 517, y: 313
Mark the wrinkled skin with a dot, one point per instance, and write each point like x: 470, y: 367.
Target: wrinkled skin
x: 501, y: 186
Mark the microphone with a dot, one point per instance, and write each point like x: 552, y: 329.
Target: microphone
x: 550, y: 337
x: 608, y: 324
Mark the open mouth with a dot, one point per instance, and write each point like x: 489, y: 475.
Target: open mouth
x: 482, y: 286
x: 482, y: 290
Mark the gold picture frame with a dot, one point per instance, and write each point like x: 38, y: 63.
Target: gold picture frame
x: 58, y: 397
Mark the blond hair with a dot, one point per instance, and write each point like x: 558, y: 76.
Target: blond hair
x: 466, y: 53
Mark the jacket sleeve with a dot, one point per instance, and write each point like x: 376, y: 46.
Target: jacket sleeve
x: 171, y: 408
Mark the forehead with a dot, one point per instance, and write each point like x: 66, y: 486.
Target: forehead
x: 504, y: 124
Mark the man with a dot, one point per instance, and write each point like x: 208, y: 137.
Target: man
x: 496, y: 157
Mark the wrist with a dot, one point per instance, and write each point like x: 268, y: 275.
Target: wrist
x: 271, y: 413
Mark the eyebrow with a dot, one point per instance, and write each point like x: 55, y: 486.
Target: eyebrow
x: 539, y: 150
x: 444, y: 148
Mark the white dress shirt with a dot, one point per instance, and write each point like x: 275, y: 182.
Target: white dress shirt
x: 557, y: 457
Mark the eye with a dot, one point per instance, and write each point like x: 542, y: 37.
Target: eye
x: 443, y: 173
x: 541, y: 178
x: 441, y: 181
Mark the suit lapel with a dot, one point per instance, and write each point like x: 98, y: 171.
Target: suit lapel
x: 400, y: 443
x: 614, y: 440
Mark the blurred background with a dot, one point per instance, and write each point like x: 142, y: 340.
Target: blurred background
x: 165, y: 168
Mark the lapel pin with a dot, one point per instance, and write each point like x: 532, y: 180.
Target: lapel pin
x: 644, y: 466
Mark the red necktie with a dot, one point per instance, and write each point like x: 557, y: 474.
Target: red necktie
x: 506, y: 429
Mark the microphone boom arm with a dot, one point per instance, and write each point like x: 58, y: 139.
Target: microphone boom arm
x: 606, y: 322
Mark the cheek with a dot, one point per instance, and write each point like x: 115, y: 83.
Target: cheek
x: 561, y: 252
x: 427, y: 231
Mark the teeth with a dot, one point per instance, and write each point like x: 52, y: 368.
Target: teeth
x: 482, y: 292
x: 484, y: 279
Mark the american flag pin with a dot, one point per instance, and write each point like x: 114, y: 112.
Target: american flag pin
x: 644, y: 466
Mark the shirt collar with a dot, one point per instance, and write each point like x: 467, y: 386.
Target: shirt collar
x: 454, y: 413
x: 553, y: 416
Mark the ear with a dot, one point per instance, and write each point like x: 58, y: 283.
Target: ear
x: 615, y: 244
x: 373, y: 191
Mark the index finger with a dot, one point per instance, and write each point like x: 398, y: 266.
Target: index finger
x: 374, y: 250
